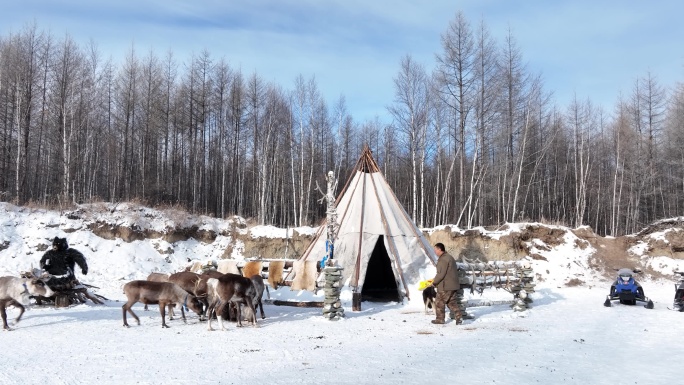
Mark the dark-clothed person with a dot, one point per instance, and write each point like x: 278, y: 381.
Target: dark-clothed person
x: 447, y: 283
x: 60, y: 263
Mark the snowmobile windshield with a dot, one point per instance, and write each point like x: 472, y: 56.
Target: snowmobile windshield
x: 625, y: 278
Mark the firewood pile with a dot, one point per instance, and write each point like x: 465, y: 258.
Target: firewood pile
x: 67, y: 293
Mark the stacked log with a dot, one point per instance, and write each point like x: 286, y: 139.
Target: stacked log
x: 332, y: 306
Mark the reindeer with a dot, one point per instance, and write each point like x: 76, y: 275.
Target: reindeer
x: 17, y: 291
x: 211, y: 273
x: 259, y: 287
x: 162, y: 293
x: 230, y: 289
x: 159, y: 277
x: 195, y: 284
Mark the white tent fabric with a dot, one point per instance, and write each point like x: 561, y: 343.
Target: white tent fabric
x: 367, y: 210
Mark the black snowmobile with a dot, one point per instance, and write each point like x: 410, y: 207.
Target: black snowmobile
x: 678, y: 304
x: 627, y: 290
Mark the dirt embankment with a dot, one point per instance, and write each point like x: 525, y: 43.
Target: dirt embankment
x: 135, y: 233
x: 265, y: 247
x: 292, y: 247
x: 609, y: 252
x: 491, y: 246
x: 477, y: 244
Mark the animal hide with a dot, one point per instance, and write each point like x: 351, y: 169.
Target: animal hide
x: 275, y: 273
x: 305, y: 275
x: 228, y: 266
x: 158, y: 277
x: 196, y: 267
x: 252, y: 268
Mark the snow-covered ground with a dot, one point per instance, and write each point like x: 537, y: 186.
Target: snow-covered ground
x: 568, y: 336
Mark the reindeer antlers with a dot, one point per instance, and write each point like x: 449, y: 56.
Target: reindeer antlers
x: 36, y: 273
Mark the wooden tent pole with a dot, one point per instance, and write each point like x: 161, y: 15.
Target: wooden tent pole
x: 356, y: 295
x: 357, y: 265
x: 344, y: 189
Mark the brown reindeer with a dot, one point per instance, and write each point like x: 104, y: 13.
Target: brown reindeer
x: 195, y: 284
x: 162, y: 293
x: 259, y: 287
x: 230, y: 289
x: 159, y: 277
x: 17, y: 291
x: 211, y: 273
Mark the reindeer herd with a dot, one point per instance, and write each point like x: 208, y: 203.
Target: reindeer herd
x: 209, y: 294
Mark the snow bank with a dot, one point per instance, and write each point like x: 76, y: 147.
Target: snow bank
x: 566, y: 337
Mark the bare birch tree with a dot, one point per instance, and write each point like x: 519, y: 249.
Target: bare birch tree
x: 410, y: 114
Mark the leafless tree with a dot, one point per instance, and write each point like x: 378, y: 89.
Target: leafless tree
x: 478, y: 142
x: 456, y: 72
x: 410, y: 114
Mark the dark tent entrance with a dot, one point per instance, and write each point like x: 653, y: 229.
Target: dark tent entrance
x: 380, y: 284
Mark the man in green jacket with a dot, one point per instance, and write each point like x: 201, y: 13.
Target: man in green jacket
x: 447, y: 283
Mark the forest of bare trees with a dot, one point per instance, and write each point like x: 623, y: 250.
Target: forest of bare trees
x: 478, y: 141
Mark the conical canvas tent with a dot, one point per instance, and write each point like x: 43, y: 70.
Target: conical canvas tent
x: 382, y: 252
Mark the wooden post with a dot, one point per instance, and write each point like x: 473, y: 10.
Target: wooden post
x: 277, y: 302
x: 356, y: 302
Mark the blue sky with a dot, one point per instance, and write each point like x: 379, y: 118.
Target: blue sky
x: 591, y: 49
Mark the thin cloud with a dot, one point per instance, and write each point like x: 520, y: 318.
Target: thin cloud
x: 586, y: 48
